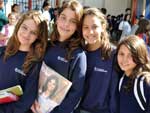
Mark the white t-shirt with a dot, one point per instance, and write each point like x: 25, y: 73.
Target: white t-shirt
x: 46, y: 104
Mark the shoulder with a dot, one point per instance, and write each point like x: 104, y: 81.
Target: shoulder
x: 78, y: 53
x: 79, y: 58
x: 147, y: 78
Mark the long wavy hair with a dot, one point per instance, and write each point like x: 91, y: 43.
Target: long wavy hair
x: 105, y: 43
x: 144, y: 26
x: 139, y: 54
x: 37, y: 48
x: 45, y: 87
x: 74, y: 41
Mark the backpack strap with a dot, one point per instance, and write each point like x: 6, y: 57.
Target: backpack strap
x: 139, y: 92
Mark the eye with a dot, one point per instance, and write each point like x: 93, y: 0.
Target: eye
x: 73, y: 21
x: 95, y: 27
x: 24, y: 27
x: 120, y: 54
x: 62, y: 17
x: 33, y: 33
x: 85, y: 27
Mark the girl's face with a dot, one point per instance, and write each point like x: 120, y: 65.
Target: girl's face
x: 66, y: 24
x: 125, y: 60
x: 128, y: 17
x: 51, y: 85
x: 16, y: 8
x: 12, y: 19
x: 27, y: 34
x: 91, y: 29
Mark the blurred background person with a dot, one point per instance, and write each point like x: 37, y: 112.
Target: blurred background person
x: 16, y: 9
x: 8, y: 29
x: 3, y: 18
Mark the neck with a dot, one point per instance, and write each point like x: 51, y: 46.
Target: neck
x: 23, y: 48
x: 128, y: 73
x: 93, y: 47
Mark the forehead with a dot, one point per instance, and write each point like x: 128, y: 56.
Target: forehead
x: 16, y: 6
x: 124, y: 49
x: 69, y: 13
x: 30, y: 23
x: 91, y: 19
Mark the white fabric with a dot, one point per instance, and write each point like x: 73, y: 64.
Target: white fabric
x: 46, y: 104
x: 126, y: 29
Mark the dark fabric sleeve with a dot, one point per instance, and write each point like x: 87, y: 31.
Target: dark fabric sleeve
x: 147, y: 94
x: 114, y: 92
x: 76, y: 91
x: 29, y: 94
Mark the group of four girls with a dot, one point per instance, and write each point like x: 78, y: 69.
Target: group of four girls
x: 91, y: 70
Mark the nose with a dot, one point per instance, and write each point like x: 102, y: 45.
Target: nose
x: 26, y: 33
x: 66, y: 23
x: 125, y: 59
x: 91, y: 31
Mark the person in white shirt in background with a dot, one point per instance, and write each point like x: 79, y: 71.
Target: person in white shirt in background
x: 15, y: 8
x: 8, y: 29
x: 45, y: 12
x: 134, y: 27
x: 125, y: 26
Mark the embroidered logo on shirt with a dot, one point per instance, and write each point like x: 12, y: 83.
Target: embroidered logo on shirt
x: 62, y: 59
x: 20, y: 71
x: 100, y: 70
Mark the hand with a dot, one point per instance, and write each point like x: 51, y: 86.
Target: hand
x: 33, y: 108
x: 36, y: 107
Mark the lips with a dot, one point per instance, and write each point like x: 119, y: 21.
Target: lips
x: 64, y: 29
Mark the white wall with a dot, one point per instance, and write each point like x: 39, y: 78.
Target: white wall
x: 114, y: 7
x: 93, y: 3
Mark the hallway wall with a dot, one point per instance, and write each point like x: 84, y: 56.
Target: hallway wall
x: 114, y: 7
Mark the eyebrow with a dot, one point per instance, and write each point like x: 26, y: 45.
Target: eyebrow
x: 71, y: 18
x: 29, y: 28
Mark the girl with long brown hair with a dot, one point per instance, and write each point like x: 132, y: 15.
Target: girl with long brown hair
x: 20, y: 61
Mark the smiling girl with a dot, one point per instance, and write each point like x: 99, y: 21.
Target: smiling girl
x: 100, y: 94
x: 65, y: 55
x: 21, y: 60
x: 132, y: 58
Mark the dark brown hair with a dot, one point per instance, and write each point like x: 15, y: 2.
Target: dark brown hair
x: 75, y: 40
x: 105, y: 43
x: 139, y: 54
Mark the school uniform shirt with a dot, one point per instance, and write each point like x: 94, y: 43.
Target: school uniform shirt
x: 128, y: 102
x: 100, y: 94
x: 11, y: 74
x: 73, y: 70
